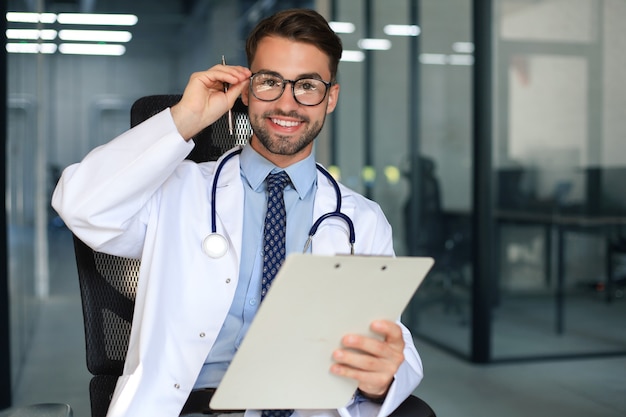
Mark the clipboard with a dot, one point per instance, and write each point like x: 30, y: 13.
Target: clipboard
x: 284, y: 361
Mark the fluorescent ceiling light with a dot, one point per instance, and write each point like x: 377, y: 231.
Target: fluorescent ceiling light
x: 352, y: 56
x: 443, y: 59
x: 433, y: 59
x: 31, y: 34
x: 342, y: 27
x: 463, y: 47
x: 374, y: 44
x: 461, y: 59
x: 31, y: 17
x: 31, y: 48
x: 91, y: 49
x: 95, y: 35
x: 402, y: 30
x: 97, y: 19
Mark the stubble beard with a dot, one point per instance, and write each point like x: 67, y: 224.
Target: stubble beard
x: 284, y: 144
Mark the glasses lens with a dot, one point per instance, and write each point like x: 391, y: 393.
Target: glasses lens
x: 306, y: 91
x: 309, y: 91
x: 267, y: 87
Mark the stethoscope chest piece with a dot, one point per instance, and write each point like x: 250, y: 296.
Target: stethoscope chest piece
x: 215, y: 245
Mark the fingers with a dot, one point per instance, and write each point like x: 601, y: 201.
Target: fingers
x: 206, y: 88
x: 213, y: 80
x: 205, y: 100
x: 372, y: 362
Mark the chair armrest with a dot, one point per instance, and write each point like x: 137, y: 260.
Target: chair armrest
x: 413, y: 407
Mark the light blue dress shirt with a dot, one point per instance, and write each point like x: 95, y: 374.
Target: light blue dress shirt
x: 299, y: 197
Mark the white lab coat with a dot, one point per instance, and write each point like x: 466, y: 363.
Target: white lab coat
x: 136, y: 197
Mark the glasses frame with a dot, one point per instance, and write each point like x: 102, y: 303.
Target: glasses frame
x: 293, y: 87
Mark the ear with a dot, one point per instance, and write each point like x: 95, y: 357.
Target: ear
x: 333, y: 96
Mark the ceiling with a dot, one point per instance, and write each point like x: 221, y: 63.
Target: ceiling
x: 162, y: 23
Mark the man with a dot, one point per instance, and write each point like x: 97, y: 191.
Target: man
x: 136, y: 196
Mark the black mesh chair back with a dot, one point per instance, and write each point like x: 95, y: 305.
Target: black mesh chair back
x: 213, y: 141
x: 108, y: 283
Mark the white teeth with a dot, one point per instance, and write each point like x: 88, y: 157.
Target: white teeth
x: 285, y: 123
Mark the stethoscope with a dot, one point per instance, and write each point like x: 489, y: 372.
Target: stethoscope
x: 215, y: 244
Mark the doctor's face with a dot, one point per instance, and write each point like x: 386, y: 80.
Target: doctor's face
x: 284, y: 129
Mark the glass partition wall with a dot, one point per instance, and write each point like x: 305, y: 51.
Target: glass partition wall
x: 559, y: 168
x: 26, y: 198
x: 548, y: 217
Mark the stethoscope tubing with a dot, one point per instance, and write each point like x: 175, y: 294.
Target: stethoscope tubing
x: 314, y: 227
x: 218, y: 171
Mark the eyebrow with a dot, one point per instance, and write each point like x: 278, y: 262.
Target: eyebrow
x: 314, y: 75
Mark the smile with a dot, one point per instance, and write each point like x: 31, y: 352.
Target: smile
x: 286, y: 123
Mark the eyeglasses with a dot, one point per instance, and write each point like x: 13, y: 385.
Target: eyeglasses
x: 306, y: 91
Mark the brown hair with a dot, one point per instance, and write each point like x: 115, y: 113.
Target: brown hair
x: 300, y: 25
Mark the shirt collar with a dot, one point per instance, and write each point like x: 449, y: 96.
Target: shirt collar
x: 255, y: 168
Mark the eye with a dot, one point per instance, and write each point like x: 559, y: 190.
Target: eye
x: 308, y: 85
x: 271, y: 82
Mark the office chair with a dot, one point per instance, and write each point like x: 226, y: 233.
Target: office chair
x: 108, y: 283
x: 442, y: 238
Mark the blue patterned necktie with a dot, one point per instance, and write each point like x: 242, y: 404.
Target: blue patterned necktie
x: 274, y: 229
x: 274, y: 245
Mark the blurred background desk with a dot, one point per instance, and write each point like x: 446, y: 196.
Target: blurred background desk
x: 556, y: 225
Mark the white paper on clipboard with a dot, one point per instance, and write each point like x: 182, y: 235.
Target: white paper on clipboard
x: 285, y: 358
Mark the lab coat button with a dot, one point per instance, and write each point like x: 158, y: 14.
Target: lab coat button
x: 228, y: 280
x: 202, y: 334
x: 177, y: 386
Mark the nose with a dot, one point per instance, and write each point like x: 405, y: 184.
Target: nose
x: 287, y: 99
